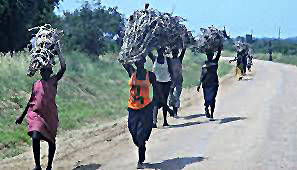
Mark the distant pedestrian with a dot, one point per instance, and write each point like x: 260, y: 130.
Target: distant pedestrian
x: 270, y: 51
x: 250, y: 62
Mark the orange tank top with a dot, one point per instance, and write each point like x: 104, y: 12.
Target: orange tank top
x: 139, y: 92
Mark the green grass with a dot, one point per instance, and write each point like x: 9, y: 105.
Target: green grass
x: 279, y: 58
x: 90, y: 92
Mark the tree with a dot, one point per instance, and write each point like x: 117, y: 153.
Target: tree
x: 19, y: 15
x: 91, y: 29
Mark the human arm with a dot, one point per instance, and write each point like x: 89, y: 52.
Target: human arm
x: 219, y: 53
x: 202, y: 77
x: 129, y: 68
x: 152, y: 57
x: 182, y: 54
x: 62, y: 62
x: 20, y: 119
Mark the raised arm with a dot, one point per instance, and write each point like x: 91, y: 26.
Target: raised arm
x: 169, y: 66
x: 129, y: 68
x: 182, y: 54
x: 218, y: 54
x: 62, y: 62
x: 152, y: 57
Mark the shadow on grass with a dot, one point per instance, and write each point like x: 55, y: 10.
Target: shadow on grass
x: 88, y: 167
x: 174, y: 164
x: 231, y: 119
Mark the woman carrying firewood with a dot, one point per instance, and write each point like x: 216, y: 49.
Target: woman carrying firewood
x: 177, y: 79
x: 210, y: 82
x: 41, y: 111
x: 140, y: 106
x: 163, y: 72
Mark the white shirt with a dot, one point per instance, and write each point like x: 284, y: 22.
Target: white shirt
x: 161, y: 71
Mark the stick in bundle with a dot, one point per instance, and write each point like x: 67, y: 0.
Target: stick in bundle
x: 150, y: 29
x: 43, y: 45
x: 210, y: 39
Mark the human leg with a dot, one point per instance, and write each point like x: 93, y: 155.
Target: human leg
x: 36, y: 137
x: 51, y: 154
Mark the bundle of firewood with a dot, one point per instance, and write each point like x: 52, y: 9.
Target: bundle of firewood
x: 43, y: 48
x: 150, y: 29
x: 210, y: 39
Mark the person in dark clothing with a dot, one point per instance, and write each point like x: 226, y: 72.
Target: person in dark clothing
x: 210, y: 82
x: 270, y: 51
x: 177, y: 79
x: 244, y: 55
x: 250, y: 62
x: 241, y: 63
x: 140, y: 106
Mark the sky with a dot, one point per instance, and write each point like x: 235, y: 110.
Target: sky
x: 263, y: 18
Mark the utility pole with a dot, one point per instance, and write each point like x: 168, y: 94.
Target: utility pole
x: 279, y: 33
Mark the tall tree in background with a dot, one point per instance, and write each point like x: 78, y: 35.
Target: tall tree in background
x: 93, y: 29
x: 19, y: 15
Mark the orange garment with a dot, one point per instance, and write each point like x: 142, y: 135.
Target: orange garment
x: 139, y: 92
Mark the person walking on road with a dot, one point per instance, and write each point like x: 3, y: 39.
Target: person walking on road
x: 210, y: 82
x: 140, y: 106
x: 163, y: 71
x: 241, y: 63
x: 177, y: 79
x: 250, y: 62
x: 42, y: 113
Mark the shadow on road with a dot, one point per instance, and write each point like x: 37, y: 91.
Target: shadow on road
x: 231, y: 119
x: 192, y: 116
x: 88, y: 167
x: 185, y: 124
x: 247, y: 79
x: 174, y: 164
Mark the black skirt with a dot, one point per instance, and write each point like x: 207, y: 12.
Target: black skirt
x: 210, y: 94
x: 140, y: 124
x: 165, y: 89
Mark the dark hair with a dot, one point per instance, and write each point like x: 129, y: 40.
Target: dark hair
x: 146, y: 6
x: 175, y: 52
x: 50, y: 69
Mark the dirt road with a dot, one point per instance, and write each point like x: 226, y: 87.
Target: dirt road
x: 255, y: 129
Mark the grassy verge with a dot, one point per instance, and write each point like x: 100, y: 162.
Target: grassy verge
x: 279, y: 58
x: 91, y: 92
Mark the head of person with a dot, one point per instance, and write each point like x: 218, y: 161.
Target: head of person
x: 146, y: 6
x: 209, y: 55
x: 161, y: 51
x: 175, y: 52
x: 46, y: 72
x: 140, y: 63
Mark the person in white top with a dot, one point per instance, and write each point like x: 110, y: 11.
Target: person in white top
x: 162, y: 70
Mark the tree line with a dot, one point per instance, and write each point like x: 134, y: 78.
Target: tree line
x: 93, y: 28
